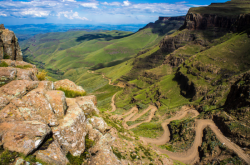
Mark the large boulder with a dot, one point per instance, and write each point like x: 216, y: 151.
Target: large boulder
x: 98, y: 123
x: 24, y: 137
x: 8, y: 74
x: 102, y: 152
x: 57, y: 100
x: 69, y: 85
x: 72, y: 129
x: 52, y: 153
x: 35, y: 106
x: 15, y: 89
x: 87, y: 104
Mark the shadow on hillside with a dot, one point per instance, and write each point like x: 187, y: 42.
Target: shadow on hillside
x: 166, y: 27
x: 109, y: 64
x: 88, y: 37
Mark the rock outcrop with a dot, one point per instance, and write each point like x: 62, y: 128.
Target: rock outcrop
x: 9, y: 46
x: 37, y: 119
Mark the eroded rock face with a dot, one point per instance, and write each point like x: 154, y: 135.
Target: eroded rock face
x: 37, y: 119
x: 196, y: 21
x: 24, y: 137
x: 170, y: 44
x: 9, y: 46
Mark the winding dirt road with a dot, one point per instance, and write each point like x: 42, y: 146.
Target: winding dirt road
x: 190, y: 156
x: 151, y: 115
x: 166, y: 135
x: 113, y: 103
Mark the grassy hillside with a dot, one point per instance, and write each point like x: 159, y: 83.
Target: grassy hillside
x: 70, y: 54
x: 202, y: 69
x: 231, y: 8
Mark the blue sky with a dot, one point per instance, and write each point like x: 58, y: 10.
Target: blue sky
x: 14, y: 12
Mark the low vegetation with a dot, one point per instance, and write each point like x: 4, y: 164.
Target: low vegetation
x: 71, y: 93
x: 23, y: 66
x: 3, y: 64
x: 42, y: 75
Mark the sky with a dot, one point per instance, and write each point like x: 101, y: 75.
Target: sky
x: 16, y: 12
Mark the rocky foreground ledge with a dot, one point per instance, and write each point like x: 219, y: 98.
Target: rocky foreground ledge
x: 36, y: 119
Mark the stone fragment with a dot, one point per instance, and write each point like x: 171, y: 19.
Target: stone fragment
x: 102, y: 153
x: 11, y: 112
x: 8, y: 73
x: 46, y: 85
x: 87, y: 104
x: 93, y: 134
x: 35, y: 106
x: 52, y: 154
x: 15, y: 89
x: 72, y: 129
x: 24, y: 137
x: 25, y: 74
x: 98, y: 123
x: 91, y: 98
x: 57, y: 100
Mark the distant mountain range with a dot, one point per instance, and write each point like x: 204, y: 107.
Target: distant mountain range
x: 26, y: 31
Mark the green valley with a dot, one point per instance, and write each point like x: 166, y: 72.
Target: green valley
x: 180, y: 84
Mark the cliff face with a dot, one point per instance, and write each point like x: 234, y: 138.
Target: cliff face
x: 9, y: 47
x: 36, y: 118
x: 196, y: 21
x: 180, y: 18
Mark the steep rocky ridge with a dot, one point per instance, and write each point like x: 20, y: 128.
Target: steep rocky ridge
x: 38, y: 120
x: 33, y: 112
x: 9, y: 46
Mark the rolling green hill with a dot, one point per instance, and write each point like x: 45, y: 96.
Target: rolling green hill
x: 204, y: 65
x: 66, y: 53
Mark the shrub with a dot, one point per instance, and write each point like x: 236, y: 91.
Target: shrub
x: 7, y: 157
x: 42, y: 75
x: 23, y: 67
x: 6, y: 56
x: 71, y: 93
x: 3, y: 64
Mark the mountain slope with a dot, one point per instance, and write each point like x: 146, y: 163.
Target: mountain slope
x: 204, y: 65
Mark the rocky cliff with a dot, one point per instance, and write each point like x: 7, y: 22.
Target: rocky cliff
x: 9, y: 47
x: 36, y: 119
x: 197, y: 21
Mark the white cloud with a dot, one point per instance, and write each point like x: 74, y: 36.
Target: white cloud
x: 74, y: 9
x: 71, y: 15
x: 68, y: 1
x: 90, y: 5
x: 2, y: 14
x: 126, y: 3
x: 34, y: 12
x: 112, y: 4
